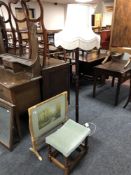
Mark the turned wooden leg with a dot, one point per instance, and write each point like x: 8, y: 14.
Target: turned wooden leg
x: 117, y: 91
x: 49, y: 153
x: 94, y: 86
x: 18, y: 125
x: 129, y: 97
x: 66, y: 167
x: 86, y: 144
x: 113, y: 81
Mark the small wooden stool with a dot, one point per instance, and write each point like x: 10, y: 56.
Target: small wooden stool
x: 66, y: 140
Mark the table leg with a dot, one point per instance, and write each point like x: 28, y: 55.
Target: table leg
x: 117, y: 91
x: 127, y: 101
x: 94, y: 86
x: 129, y: 97
x: 113, y: 81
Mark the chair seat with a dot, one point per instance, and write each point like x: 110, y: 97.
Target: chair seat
x: 68, y: 137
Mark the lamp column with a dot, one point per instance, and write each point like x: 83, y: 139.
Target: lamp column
x: 77, y: 84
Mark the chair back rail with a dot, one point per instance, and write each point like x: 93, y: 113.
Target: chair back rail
x: 4, y: 22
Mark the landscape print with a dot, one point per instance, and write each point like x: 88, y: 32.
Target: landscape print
x: 48, y: 115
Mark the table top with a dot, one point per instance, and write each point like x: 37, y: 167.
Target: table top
x: 9, y: 79
x: 91, y: 57
x: 52, y: 62
x: 114, y: 66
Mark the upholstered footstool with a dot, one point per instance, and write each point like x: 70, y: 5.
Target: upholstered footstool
x: 68, y: 140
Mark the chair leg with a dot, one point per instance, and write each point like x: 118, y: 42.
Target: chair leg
x: 68, y: 164
x: 113, y: 81
x: 49, y: 153
x: 129, y: 97
x: 66, y: 167
x: 86, y: 142
x: 86, y: 145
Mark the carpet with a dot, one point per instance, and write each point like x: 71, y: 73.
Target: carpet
x: 109, y: 147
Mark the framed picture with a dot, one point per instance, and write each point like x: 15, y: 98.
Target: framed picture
x: 44, y: 117
x: 6, y: 123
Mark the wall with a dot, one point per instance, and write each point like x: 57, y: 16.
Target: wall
x: 107, y: 16
x: 54, y: 15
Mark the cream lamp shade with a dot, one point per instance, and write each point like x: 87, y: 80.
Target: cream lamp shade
x: 77, y: 32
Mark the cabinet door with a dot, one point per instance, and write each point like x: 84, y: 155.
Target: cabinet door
x: 55, y: 80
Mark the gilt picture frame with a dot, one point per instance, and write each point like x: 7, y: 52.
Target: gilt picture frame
x: 7, y: 112
x: 44, y: 117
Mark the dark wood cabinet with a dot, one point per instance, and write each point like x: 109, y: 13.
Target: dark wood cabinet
x: 55, y: 78
x: 19, y: 89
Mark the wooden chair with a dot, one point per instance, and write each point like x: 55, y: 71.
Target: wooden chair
x: 41, y: 31
x: 46, y: 49
x: 8, y: 34
x: 30, y: 61
x: 66, y: 140
x: 20, y: 42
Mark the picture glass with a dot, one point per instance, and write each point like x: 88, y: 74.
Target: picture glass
x: 5, y: 126
x: 48, y: 114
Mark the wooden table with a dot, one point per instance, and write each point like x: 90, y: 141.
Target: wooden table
x: 87, y: 62
x: 114, y: 69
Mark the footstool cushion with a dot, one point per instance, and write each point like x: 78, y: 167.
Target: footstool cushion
x: 67, y: 138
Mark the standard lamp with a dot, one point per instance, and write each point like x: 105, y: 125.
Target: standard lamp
x: 77, y: 34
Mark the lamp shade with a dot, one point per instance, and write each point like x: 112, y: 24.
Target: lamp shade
x: 77, y: 32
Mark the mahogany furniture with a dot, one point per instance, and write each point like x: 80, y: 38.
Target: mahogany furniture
x: 9, y: 42
x: 2, y: 49
x: 19, y: 37
x: 43, y: 51
x: 120, y: 41
x: 114, y: 69
x: 121, y: 26
x: 88, y: 61
x: 45, y: 48
x: 55, y: 78
x: 20, y: 90
x: 20, y: 76
x: 21, y: 82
